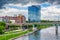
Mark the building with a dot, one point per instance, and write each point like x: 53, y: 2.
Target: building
x: 6, y: 19
x: 2, y: 19
x: 20, y: 19
x: 34, y: 13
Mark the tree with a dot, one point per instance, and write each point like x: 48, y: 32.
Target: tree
x: 13, y: 27
x: 2, y: 23
x: 2, y: 28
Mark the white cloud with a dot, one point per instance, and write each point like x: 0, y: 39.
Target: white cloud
x: 12, y: 12
x: 50, y: 13
x: 20, y: 5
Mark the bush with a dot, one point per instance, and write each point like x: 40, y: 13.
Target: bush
x: 2, y: 23
x: 14, y: 27
x: 30, y: 27
x: 2, y: 28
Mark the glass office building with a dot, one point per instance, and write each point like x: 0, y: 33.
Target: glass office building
x: 34, y: 13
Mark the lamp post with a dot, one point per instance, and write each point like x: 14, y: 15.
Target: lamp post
x: 56, y: 28
x: 56, y: 25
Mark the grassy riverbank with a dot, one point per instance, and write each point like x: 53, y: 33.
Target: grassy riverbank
x: 44, y: 26
x: 10, y: 35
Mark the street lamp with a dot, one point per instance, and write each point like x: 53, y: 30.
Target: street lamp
x: 56, y: 28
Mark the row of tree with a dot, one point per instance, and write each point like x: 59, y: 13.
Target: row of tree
x: 3, y: 27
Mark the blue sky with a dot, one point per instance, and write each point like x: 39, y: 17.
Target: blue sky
x: 19, y: 8
x: 58, y: 7
x: 45, y: 5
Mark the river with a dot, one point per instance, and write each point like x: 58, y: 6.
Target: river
x: 44, y: 34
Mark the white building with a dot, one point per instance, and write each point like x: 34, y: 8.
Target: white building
x: 1, y: 19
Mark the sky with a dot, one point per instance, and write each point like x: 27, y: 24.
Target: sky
x: 50, y: 9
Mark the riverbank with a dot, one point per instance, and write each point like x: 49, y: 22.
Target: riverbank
x: 44, y: 26
x: 10, y: 35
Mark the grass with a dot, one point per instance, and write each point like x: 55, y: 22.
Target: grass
x: 8, y: 35
x: 44, y: 26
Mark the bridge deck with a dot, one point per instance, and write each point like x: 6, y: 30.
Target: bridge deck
x: 34, y: 23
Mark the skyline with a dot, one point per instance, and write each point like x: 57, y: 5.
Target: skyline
x: 19, y: 8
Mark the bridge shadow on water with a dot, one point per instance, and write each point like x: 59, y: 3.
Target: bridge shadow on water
x: 35, y: 35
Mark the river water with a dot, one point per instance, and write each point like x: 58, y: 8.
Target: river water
x: 44, y: 34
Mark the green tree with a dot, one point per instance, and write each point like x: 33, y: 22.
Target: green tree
x: 30, y: 27
x: 2, y: 23
x: 2, y: 28
x: 13, y: 27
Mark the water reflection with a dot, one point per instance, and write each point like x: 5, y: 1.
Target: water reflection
x: 25, y: 37
x: 31, y: 36
x: 34, y: 36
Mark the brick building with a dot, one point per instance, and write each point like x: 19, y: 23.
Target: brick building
x: 15, y: 19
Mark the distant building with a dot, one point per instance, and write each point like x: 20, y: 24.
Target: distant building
x: 1, y: 19
x: 6, y: 19
x: 34, y: 13
x: 20, y: 19
x: 17, y: 19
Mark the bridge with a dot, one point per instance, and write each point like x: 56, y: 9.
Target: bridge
x: 40, y: 23
x: 34, y: 23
